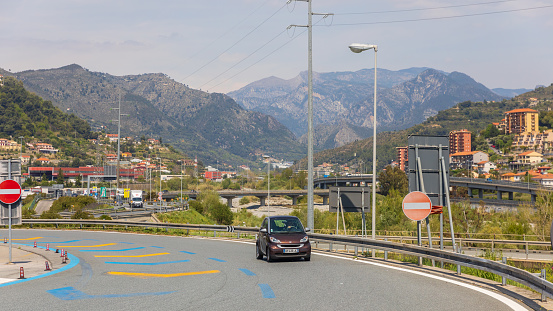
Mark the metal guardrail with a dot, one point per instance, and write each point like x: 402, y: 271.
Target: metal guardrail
x: 518, y: 275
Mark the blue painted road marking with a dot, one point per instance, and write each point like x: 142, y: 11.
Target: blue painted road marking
x: 157, y: 246
x: 110, y: 250
x: 247, y: 272
x: 70, y: 293
x: 188, y: 252
x: 145, y: 263
x: 217, y: 259
x: 73, y: 262
x: 267, y: 291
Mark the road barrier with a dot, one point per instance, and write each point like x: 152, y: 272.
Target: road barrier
x: 518, y: 275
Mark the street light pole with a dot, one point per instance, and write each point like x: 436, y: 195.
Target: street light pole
x: 358, y: 48
x: 268, y: 183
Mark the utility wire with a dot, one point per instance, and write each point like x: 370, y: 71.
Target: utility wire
x: 228, y: 31
x: 427, y: 9
x: 445, y: 17
x: 264, y: 57
x: 244, y: 58
x: 236, y: 43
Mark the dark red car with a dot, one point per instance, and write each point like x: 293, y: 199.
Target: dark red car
x: 282, y: 237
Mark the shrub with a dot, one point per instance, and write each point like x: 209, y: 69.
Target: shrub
x: 105, y: 217
x: 80, y: 214
x: 244, y: 200
x: 221, y: 213
x: 197, y: 206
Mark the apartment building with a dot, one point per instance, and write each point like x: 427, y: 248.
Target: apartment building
x: 402, y: 158
x: 459, y: 141
x: 521, y: 121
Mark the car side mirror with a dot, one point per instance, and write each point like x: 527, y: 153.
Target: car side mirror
x: 307, y: 229
x: 263, y: 230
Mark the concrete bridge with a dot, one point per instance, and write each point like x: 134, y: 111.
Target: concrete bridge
x: 500, y: 187
x: 261, y: 194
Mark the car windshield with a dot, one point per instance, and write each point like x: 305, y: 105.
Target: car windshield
x: 286, y: 225
x: 136, y: 199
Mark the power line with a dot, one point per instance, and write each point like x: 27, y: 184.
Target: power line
x: 236, y: 43
x: 228, y: 31
x: 427, y: 9
x: 244, y: 58
x: 264, y: 57
x: 444, y: 17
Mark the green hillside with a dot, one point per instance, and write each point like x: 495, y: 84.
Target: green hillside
x: 26, y: 115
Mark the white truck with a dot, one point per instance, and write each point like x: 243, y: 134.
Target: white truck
x: 136, y: 199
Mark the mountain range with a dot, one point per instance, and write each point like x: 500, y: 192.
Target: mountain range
x: 343, y: 101
x: 209, y: 125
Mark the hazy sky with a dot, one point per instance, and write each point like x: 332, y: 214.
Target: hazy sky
x: 222, y: 45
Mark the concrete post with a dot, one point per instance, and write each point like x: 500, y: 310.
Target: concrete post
x: 262, y: 200
x: 325, y: 200
x: 481, y: 193
x: 229, y: 201
x: 511, y: 196
x: 499, y: 195
x: 533, y: 198
x: 470, y: 193
x: 294, y: 199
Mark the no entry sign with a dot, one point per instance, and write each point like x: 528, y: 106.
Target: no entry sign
x: 10, y: 191
x: 416, y: 205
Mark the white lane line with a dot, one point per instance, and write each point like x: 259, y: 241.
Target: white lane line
x: 510, y: 303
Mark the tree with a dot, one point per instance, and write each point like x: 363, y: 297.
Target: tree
x: 393, y: 178
x: 59, y: 179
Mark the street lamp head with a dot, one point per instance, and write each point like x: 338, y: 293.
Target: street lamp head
x: 360, y: 47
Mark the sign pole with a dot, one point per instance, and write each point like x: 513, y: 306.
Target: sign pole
x: 10, y: 232
x: 10, y: 215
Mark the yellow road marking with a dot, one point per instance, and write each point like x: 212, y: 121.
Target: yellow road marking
x: 155, y: 275
x: 99, y: 245
x: 38, y: 237
x: 130, y: 256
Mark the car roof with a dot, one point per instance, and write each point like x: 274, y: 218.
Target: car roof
x: 282, y: 216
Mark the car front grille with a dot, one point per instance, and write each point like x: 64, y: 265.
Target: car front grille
x: 290, y: 245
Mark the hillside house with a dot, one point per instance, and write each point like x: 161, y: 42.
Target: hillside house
x: 466, y: 159
x: 112, y: 137
x: 529, y: 157
x: 484, y: 167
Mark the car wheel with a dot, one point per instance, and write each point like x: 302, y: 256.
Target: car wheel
x: 258, y: 254
x: 268, y: 254
x: 307, y: 258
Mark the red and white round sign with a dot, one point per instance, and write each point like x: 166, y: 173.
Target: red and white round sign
x: 10, y: 191
x: 416, y: 205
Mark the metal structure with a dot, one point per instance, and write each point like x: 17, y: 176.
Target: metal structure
x: 429, y: 173
x: 358, y: 48
x: 310, y: 187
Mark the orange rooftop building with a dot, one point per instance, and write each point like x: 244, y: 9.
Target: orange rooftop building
x: 521, y: 121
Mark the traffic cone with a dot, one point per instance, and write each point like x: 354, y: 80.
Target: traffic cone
x: 57, y: 250
x: 47, y: 267
x: 62, y: 251
x: 5, y: 240
x: 34, y: 245
x: 65, y: 256
x: 63, y: 259
x: 47, y: 247
x: 21, y: 273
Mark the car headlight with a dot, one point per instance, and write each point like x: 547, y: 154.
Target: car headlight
x: 274, y: 240
x: 305, y: 239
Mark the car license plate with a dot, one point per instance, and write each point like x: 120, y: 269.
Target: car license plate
x: 291, y: 250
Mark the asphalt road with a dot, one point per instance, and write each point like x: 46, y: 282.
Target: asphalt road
x: 177, y: 273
